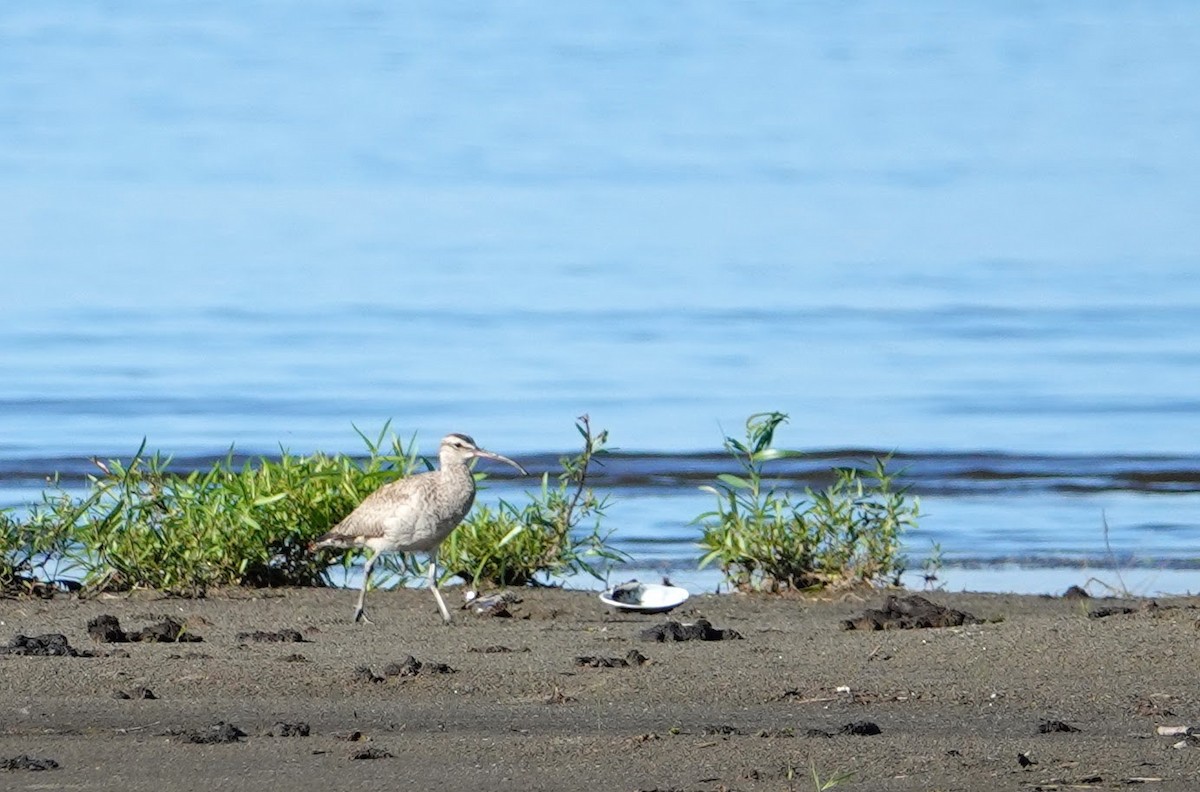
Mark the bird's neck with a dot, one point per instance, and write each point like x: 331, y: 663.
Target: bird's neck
x: 456, y: 470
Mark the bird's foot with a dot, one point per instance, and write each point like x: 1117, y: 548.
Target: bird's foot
x: 359, y: 616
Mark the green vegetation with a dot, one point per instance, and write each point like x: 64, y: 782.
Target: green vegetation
x: 765, y: 539
x: 143, y: 526
x: 31, y: 551
x: 829, y: 782
x: 513, y: 546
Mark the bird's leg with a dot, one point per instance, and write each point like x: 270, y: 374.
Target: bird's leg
x: 362, y: 595
x: 433, y: 585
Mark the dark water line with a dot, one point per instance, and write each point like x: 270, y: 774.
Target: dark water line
x: 959, y: 474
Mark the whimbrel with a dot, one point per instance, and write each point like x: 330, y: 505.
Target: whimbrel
x: 415, y: 513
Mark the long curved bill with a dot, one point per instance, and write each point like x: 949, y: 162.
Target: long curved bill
x: 479, y: 452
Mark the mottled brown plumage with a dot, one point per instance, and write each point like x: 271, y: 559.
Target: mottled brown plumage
x: 414, y: 514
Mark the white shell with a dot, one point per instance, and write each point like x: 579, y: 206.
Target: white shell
x: 644, y: 597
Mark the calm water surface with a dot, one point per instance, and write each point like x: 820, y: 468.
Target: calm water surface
x: 965, y: 234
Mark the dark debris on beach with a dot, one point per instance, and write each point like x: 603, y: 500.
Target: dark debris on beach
x: 909, y: 613
x: 49, y: 645
x: 106, y: 628
x: 701, y: 630
x: 277, y: 636
x: 631, y: 659
x: 219, y: 733
x: 27, y: 762
x: 408, y: 667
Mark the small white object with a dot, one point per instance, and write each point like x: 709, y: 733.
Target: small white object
x: 644, y: 597
x: 1174, y: 731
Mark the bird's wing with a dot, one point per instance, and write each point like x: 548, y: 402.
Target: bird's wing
x: 367, y: 519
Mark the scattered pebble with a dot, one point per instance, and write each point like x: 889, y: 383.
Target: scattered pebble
x: 136, y: 693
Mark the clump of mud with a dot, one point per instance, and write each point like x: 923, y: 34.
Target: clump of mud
x: 701, y: 630
x: 1052, y: 726
x: 370, y: 753
x: 631, y: 659
x: 282, y: 729
x: 219, y: 733
x: 49, y: 645
x: 278, y: 636
x: 27, y: 762
x: 107, y: 629
x: 909, y: 613
x: 863, y: 728
x: 408, y: 667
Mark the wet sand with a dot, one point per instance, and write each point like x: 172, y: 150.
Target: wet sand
x: 516, y: 711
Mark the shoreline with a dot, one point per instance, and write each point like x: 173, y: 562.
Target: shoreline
x: 1016, y: 579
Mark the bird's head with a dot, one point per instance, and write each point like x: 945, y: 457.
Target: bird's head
x: 460, y: 449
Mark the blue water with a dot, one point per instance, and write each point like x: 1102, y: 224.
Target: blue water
x: 940, y: 229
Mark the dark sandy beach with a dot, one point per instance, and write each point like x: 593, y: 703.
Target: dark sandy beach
x: 515, y: 710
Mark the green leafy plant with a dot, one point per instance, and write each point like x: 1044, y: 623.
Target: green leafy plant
x: 829, y: 782
x: 766, y: 539
x: 931, y: 567
x: 143, y: 526
x: 32, y: 550
x: 557, y: 532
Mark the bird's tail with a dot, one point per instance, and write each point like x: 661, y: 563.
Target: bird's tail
x: 335, y: 540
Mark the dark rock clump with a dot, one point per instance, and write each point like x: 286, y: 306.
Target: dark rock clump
x: 909, y: 613
x: 282, y: 729
x: 27, y: 762
x: 701, y: 630
x: 107, y: 629
x: 49, y: 645
x: 278, y: 636
x: 861, y: 729
x: 219, y: 733
x: 1052, y: 726
x: 632, y: 658
x: 166, y: 631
